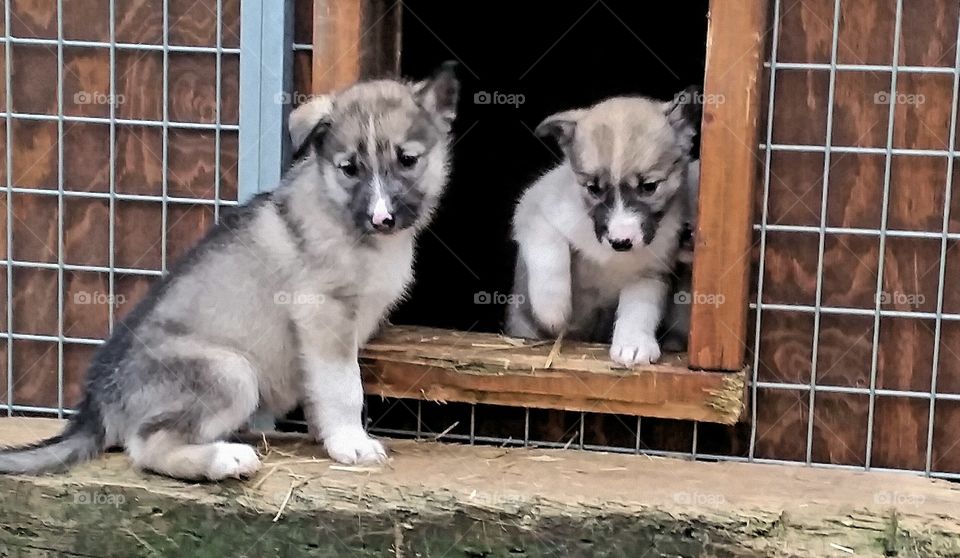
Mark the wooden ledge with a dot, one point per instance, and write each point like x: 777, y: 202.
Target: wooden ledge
x: 453, y: 500
x: 454, y: 366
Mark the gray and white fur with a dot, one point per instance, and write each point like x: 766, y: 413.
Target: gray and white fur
x: 598, y: 235
x: 270, y: 308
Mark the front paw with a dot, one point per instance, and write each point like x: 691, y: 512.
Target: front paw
x: 354, y: 448
x: 642, y: 350
x: 553, y: 314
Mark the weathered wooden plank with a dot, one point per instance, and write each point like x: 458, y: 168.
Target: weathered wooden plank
x: 444, y: 365
x: 354, y: 39
x: 735, y: 49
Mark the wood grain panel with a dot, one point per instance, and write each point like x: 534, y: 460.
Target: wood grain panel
x: 230, y: 89
x: 786, y: 347
x: 845, y: 350
x: 76, y: 360
x: 948, y: 378
x: 850, y: 265
x: 905, y: 359
x: 806, y: 31
x: 917, y: 191
x: 840, y: 428
x: 35, y: 373
x: 86, y: 157
x: 929, y: 32
x: 302, y: 74
x: 33, y: 18
x: 229, y: 157
x: 86, y: 231
x: 194, y: 22
x: 354, y: 39
x: 303, y: 22
x: 730, y: 175
x: 801, y: 96
x: 955, y: 198
x: 796, y: 188
x: 130, y: 290
x: 860, y: 115
x: 86, y: 304
x: 138, y: 224
x: 186, y: 225
x: 946, y: 437
x: 923, y: 110
x: 34, y: 154
x: 34, y: 79
x: 35, y: 301
x: 782, y: 417
x: 951, y: 296
x: 192, y: 95
x: 139, y: 166
x: 790, y: 272
x: 191, y: 164
x: 866, y: 31
x: 856, y: 191
x: 86, y: 20
x: 139, y: 21
x: 900, y: 432
x: 139, y: 83
x: 911, y: 274
x: 34, y: 228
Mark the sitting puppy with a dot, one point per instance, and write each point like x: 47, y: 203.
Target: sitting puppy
x: 599, y: 234
x: 270, y: 308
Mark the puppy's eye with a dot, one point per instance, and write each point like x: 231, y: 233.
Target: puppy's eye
x: 407, y: 160
x: 593, y: 187
x: 649, y: 187
x: 348, y: 168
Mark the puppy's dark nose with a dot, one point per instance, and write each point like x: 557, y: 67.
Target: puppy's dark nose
x: 621, y: 244
x: 383, y: 225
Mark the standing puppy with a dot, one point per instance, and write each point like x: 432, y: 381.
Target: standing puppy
x: 271, y: 307
x: 599, y: 233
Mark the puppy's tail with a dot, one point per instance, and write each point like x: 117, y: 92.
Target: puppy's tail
x: 82, y: 440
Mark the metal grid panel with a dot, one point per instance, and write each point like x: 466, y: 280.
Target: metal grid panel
x: 63, y: 194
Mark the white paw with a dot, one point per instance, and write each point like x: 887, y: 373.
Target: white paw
x: 233, y: 461
x: 552, y: 314
x: 355, y: 448
x: 643, y: 350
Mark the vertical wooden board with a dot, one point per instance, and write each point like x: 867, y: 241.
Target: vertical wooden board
x: 905, y: 359
x: 856, y: 188
x: 302, y: 72
x: 33, y: 18
x: 35, y: 228
x: 139, y: 164
x: 955, y: 198
x: 130, y: 290
x: 86, y: 157
x: 193, y: 22
x: 139, y: 81
x: 786, y: 347
x: 840, y: 428
x: 35, y: 301
x: 86, y: 20
x: 911, y: 274
x: 303, y: 22
x: 186, y: 225
x: 3, y: 71
x: 917, y: 193
x: 230, y: 89
x: 139, y: 21
x: 948, y: 378
x: 34, y: 154
x: 229, y: 155
x: 928, y: 34
x: 790, y: 272
x: 866, y: 31
x: 861, y: 109
x: 380, y: 51
x: 782, y: 417
x: 844, y: 350
x: 336, y: 43
x: 86, y: 304
x: 35, y: 373
x: 923, y: 110
x: 33, y: 79
x: 850, y: 264
x: 946, y: 437
x: 900, y: 432
x: 800, y: 96
x: 193, y: 88
x: 76, y: 360
x: 805, y: 31
x: 86, y: 231
x: 137, y: 226
x: 951, y: 296
x: 796, y: 188
x: 191, y: 164
x: 230, y: 28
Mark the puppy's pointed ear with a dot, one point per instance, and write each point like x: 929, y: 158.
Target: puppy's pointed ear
x: 560, y: 126
x: 439, y: 94
x: 305, y: 122
x: 686, y: 108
